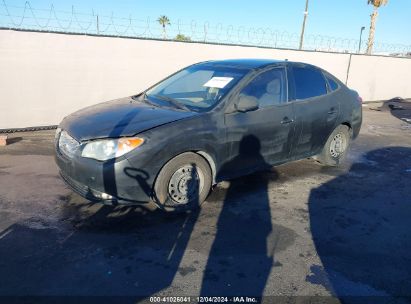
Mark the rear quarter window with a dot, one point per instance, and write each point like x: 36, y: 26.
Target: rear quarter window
x: 309, y: 82
x: 333, y: 85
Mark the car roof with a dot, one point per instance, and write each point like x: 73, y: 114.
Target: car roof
x: 245, y: 63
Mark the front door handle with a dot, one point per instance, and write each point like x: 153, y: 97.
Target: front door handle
x: 286, y: 120
x: 332, y: 111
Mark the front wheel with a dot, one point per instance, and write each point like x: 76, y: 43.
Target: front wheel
x: 336, y: 147
x: 183, y: 183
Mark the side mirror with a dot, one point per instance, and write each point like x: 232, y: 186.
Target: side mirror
x: 246, y: 103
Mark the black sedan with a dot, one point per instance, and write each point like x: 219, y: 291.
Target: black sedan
x: 209, y: 122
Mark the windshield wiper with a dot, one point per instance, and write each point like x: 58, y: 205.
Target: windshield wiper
x: 173, y: 102
x: 143, y: 97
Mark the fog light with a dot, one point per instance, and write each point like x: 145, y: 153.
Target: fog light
x: 106, y: 196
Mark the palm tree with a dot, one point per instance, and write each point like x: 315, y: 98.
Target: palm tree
x: 163, y: 20
x: 374, y: 15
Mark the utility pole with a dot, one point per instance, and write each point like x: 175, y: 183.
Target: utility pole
x: 303, y: 29
x: 98, y: 26
x: 359, y: 45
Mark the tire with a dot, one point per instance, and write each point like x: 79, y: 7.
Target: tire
x: 183, y: 183
x: 336, y: 147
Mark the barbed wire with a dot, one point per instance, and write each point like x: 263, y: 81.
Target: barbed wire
x: 28, y: 18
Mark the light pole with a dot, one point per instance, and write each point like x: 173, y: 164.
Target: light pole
x: 303, y: 29
x: 359, y: 45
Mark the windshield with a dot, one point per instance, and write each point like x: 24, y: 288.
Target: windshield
x: 198, y: 87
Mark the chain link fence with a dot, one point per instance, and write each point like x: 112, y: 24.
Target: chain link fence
x: 51, y: 20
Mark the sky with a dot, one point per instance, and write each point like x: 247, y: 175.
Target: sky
x: 331, y: 18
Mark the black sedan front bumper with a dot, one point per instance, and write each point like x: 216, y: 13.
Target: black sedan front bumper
x: 111, y: 182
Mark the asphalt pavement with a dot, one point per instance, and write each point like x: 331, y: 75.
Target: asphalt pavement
x: 301, y: 232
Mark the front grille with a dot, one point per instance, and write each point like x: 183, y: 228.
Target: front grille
x: 67, y: 145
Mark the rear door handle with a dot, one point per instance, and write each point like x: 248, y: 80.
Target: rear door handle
x: 286, y: 120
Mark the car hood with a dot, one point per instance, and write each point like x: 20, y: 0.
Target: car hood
x: 120, y: 117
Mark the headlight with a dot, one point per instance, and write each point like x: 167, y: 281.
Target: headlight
x: 56, y: 136
x: 110, y: 148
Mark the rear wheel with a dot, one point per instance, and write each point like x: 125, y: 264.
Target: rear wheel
x: 336, y: 147
x: 183, y: 183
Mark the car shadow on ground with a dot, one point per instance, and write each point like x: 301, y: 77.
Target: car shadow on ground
x: 360, y: 224
x: 398, y: 107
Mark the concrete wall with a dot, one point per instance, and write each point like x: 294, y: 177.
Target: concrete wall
x: 380, y: 78
x: 45, y: 76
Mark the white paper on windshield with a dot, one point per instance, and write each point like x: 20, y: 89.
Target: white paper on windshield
x: 218, y: 82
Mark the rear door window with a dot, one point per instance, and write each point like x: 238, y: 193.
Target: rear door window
x: 309, y: 82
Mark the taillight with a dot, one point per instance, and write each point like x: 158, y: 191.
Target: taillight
x: 357, y: 96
